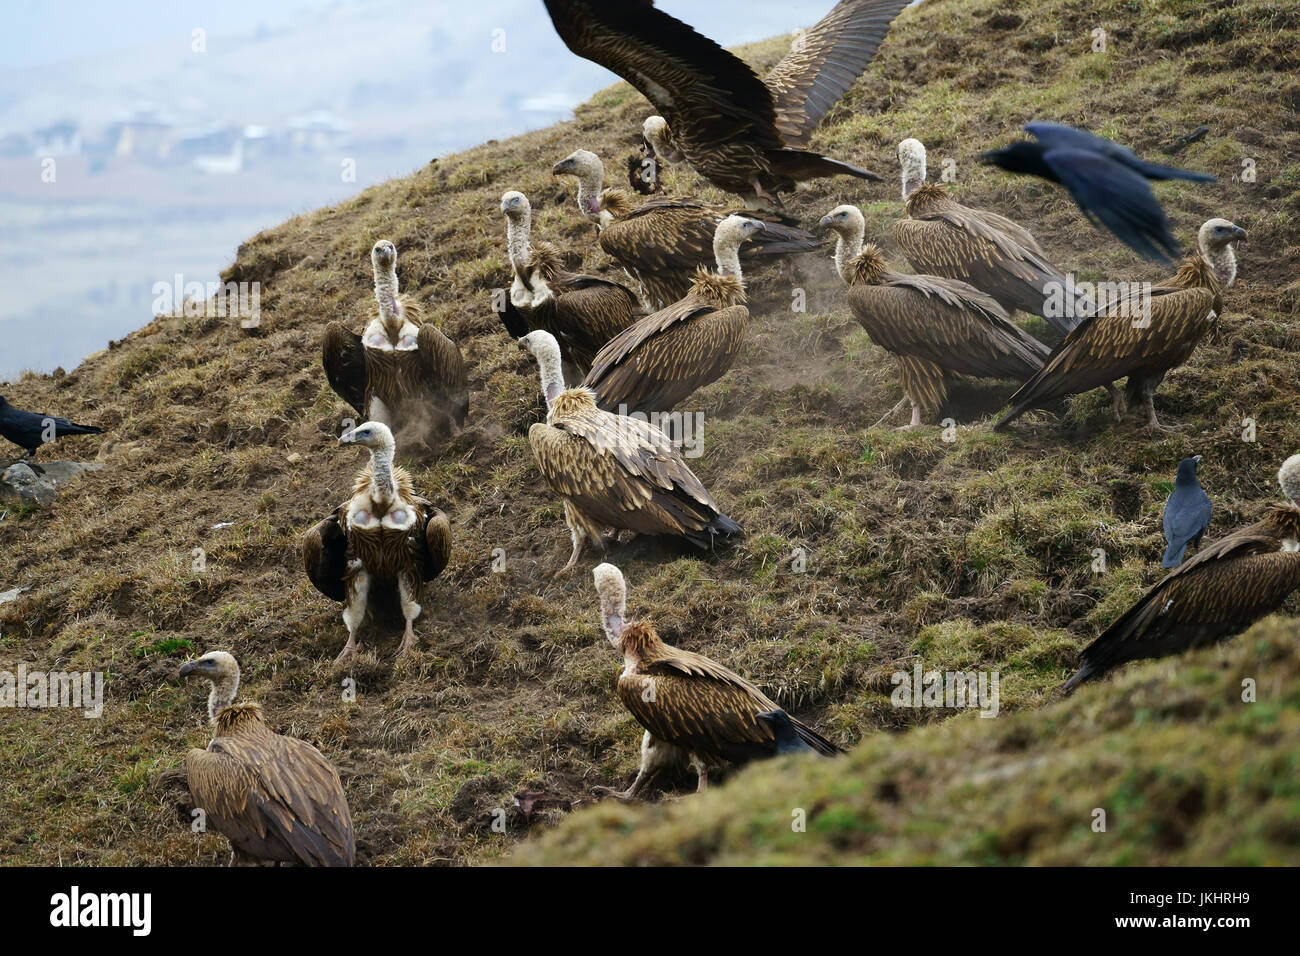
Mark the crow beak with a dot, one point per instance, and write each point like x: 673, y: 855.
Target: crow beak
x: 1196, y: 458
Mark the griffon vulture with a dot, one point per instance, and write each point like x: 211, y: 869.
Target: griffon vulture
x: 935, y: 327
x: 1141, y: 336
x: 379, y: 548
x: 583, y: 312
x: 669, y: 354
x: 663, y: 241
x: 275, y: 798
x: 400, y: 370
x: 1000, y: 258
x: 614, y: 471
x: 744, y: 134
x: 693, y: 709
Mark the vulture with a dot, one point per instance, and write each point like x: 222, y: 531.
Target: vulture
x: 1187, y: 513
x: 667, y: 355
x: 944, y: 238
x: 693, y: 709
x: 583, y: 312
x: 379, y: 548
x: 936, y: 327
x: 1106, y: 181
x: 661, y: 242
x: 614, y: 471
x: 29, y: 431
x: 1119, y: 339
x: 743, y: 134
x: 1217, y: 593
x: 400, y: 370
x: 275, y: 798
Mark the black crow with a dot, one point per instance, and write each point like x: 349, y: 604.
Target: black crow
x: 29, y: 431
x: 788, y: 740
x: 1187, y: 513
x: 1106, y: 181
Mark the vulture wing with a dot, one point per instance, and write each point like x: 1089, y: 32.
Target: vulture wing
x: 443, y: 365
x: 274, y: 798
x: 699, y: 705
x: 708, y: 96
x: 325, y: 557
x: 1109, y: 346
x: 956, y: 243
x: 666, y: 356
x: 437, y: 541
x: 1112, y: 195
x: 949, y: 323
x: 586, y: 312
x: 825, y: 62
x: 1220, y: 591
x: 344, y: 358
x: 625, y: 473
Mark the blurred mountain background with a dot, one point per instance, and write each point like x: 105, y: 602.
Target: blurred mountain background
x: 144, y: 140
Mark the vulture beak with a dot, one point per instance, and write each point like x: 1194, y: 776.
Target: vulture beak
x: 824, y: 222
x: 348, y: 437
x: 1238, y: 234
x: 189, y: 667
x: 560, y: 168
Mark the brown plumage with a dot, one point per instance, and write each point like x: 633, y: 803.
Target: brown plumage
x: 400, y: 370
x: 583, y: 312
x: 1119, y: 340
x: 277, y: 799
x: 662, y: 242
x: 936, y: 327
x: 706, y: 711
x: 378, y: 549
x: 741, y: 133
x: 614, y: 471
x: 945, y: 238
x: 1224, y: 588
x: 667, y: 355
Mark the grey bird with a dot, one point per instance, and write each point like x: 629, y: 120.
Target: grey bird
x: 1187, y: 513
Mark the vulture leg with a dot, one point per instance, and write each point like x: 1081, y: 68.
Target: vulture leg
x: 702, y: 771
x: 410, y: 611
x: 655, y: 755
x: 354, y: 613
x: 579, y: 535
x: 630, y: 795
x: 892, y: 412
x: 1117, y: 402
x: 916, y: 418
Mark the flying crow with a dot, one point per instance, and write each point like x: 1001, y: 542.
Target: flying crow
x: 1106, y: 181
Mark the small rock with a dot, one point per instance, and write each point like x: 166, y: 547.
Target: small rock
x: 294, y: 458
x: 12, y: 593
x: 22, y: 485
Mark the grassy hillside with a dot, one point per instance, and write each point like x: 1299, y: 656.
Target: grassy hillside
x: 975, y: 553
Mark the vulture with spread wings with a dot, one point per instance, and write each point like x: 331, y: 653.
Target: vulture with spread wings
x: 743, y: 134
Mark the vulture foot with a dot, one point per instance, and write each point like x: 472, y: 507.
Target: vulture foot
x: 622, y: 796
x: 348, y: 653
x: 407, y: 652
x: 1118, y: 404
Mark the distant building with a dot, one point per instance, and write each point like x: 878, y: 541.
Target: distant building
x: 145, y: 135
x: 317, y: 131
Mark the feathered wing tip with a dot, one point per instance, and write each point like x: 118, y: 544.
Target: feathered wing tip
x: 1085, y: 672
x: 723, y: 291
x: 868, y: 266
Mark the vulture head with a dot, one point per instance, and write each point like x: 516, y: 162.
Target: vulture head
x: 373, y: 435
x: 911, y: 156
x: 1288, y: 477
x: 515, y: 206
x: 590, y: 173
x: 546, y: 351
x: 656, y: 133
x: 612, y: 591
x: 1217, y: 240
x: 222, y: 672
x: 849, y: 226
x: 732, y: 233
